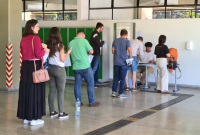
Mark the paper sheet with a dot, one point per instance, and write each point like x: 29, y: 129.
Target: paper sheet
x: 90, y: 57
x: 45, y: 57
x: 67, y: 62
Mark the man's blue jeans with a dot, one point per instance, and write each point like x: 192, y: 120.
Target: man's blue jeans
x: 87, y: 74
x: 95, y: 64
x: 120, y: 74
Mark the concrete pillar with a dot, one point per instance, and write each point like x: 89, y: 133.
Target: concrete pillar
x: 11, y: 32
x: 82, y: 9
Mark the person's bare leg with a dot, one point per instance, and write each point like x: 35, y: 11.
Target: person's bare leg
x: 126, y: 80
x: 133, y: 79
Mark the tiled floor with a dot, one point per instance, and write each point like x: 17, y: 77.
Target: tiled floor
x: 180, y: 119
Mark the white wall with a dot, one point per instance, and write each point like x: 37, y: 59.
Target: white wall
x: 177, y: 31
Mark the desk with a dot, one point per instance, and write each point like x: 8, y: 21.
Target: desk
x: 145, y: 65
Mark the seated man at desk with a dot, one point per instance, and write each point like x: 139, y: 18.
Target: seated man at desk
x: 148, y: 57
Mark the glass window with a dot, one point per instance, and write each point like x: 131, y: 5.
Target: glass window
x: 124, y: 14
x: 105, y: 14
x: 159, y: 13
x: 151, y: 3
x: 193, y: 14
x: 33, y: 15
x: 70, y: 16
x: 100, y: 3
x: 125, y: 3
x: 198, y: 12
x: 145, y: 13
x: 53, y: 5
x: 71, y: 4
x: 182, y: 12
x: 180, y: 2
x: 178, y: 14
x: 53, y: 16
x: 23, y: 16
x: 31, y: 5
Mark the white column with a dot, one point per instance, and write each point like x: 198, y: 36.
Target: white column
x: 11, y: 32
x: 82, y: 9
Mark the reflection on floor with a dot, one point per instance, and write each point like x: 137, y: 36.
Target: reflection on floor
x: 181, y: 118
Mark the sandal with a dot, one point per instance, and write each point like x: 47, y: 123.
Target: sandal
x: 135, y: 89
x: 159, y: 91
x: 127, y: 88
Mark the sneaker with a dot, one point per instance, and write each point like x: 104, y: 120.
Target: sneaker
x: 122, y: 96
x: 127, y: 88
x: 95, y: 104
x: 98, y: 83
x: 113, y: 94
x: 36, y: 122
x: 26, y: 122
x: 96, y: 86
x: 164, y: 92
x: 53, y: 114
x: 64, y: 115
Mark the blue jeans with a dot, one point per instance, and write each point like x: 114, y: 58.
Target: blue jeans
x: 88, y: 76
x: 95, y: 64
x: 120, y: 74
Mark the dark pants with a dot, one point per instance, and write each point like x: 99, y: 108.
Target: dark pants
x: 95, y: 64
x: 88, y: 76
x: 57, y: 83
x: 120, y: 74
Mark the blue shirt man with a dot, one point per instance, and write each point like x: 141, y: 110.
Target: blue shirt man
x: 119, y: 49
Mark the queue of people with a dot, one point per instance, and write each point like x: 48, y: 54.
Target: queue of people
x: 31, y: 103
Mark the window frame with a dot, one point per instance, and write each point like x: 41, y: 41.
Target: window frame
x: 138, y: 7
x: 50, y: 11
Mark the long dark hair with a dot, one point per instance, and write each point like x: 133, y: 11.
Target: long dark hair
x: 54, y: 38
x: 27, y: 30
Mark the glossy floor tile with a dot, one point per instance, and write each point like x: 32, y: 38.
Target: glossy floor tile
x: 179, y: 119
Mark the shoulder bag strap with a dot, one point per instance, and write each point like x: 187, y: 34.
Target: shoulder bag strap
x: 34, y: 55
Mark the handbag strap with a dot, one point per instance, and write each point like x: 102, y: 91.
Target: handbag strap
x: 34, y: 55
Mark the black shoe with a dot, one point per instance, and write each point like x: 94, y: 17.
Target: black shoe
x: 64, y: 115
x: 138, y: 84
x: 53, y: 114
x: 96, y: 86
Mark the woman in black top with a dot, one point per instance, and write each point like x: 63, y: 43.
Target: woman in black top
x: 162, y: 52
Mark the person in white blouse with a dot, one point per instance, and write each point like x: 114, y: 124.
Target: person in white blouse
x: 135, y: 46
x: 148, y: 56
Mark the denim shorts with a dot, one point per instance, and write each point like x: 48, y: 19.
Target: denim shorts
x: 134, y: 64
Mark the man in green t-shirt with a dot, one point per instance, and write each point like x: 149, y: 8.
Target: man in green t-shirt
x: 81, y: 67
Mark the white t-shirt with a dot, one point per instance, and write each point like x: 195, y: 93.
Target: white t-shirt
x: 148, y: 56
x: 55, y: 60
x: 135, y: 46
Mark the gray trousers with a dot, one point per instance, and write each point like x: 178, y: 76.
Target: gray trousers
x: 57, y: 82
